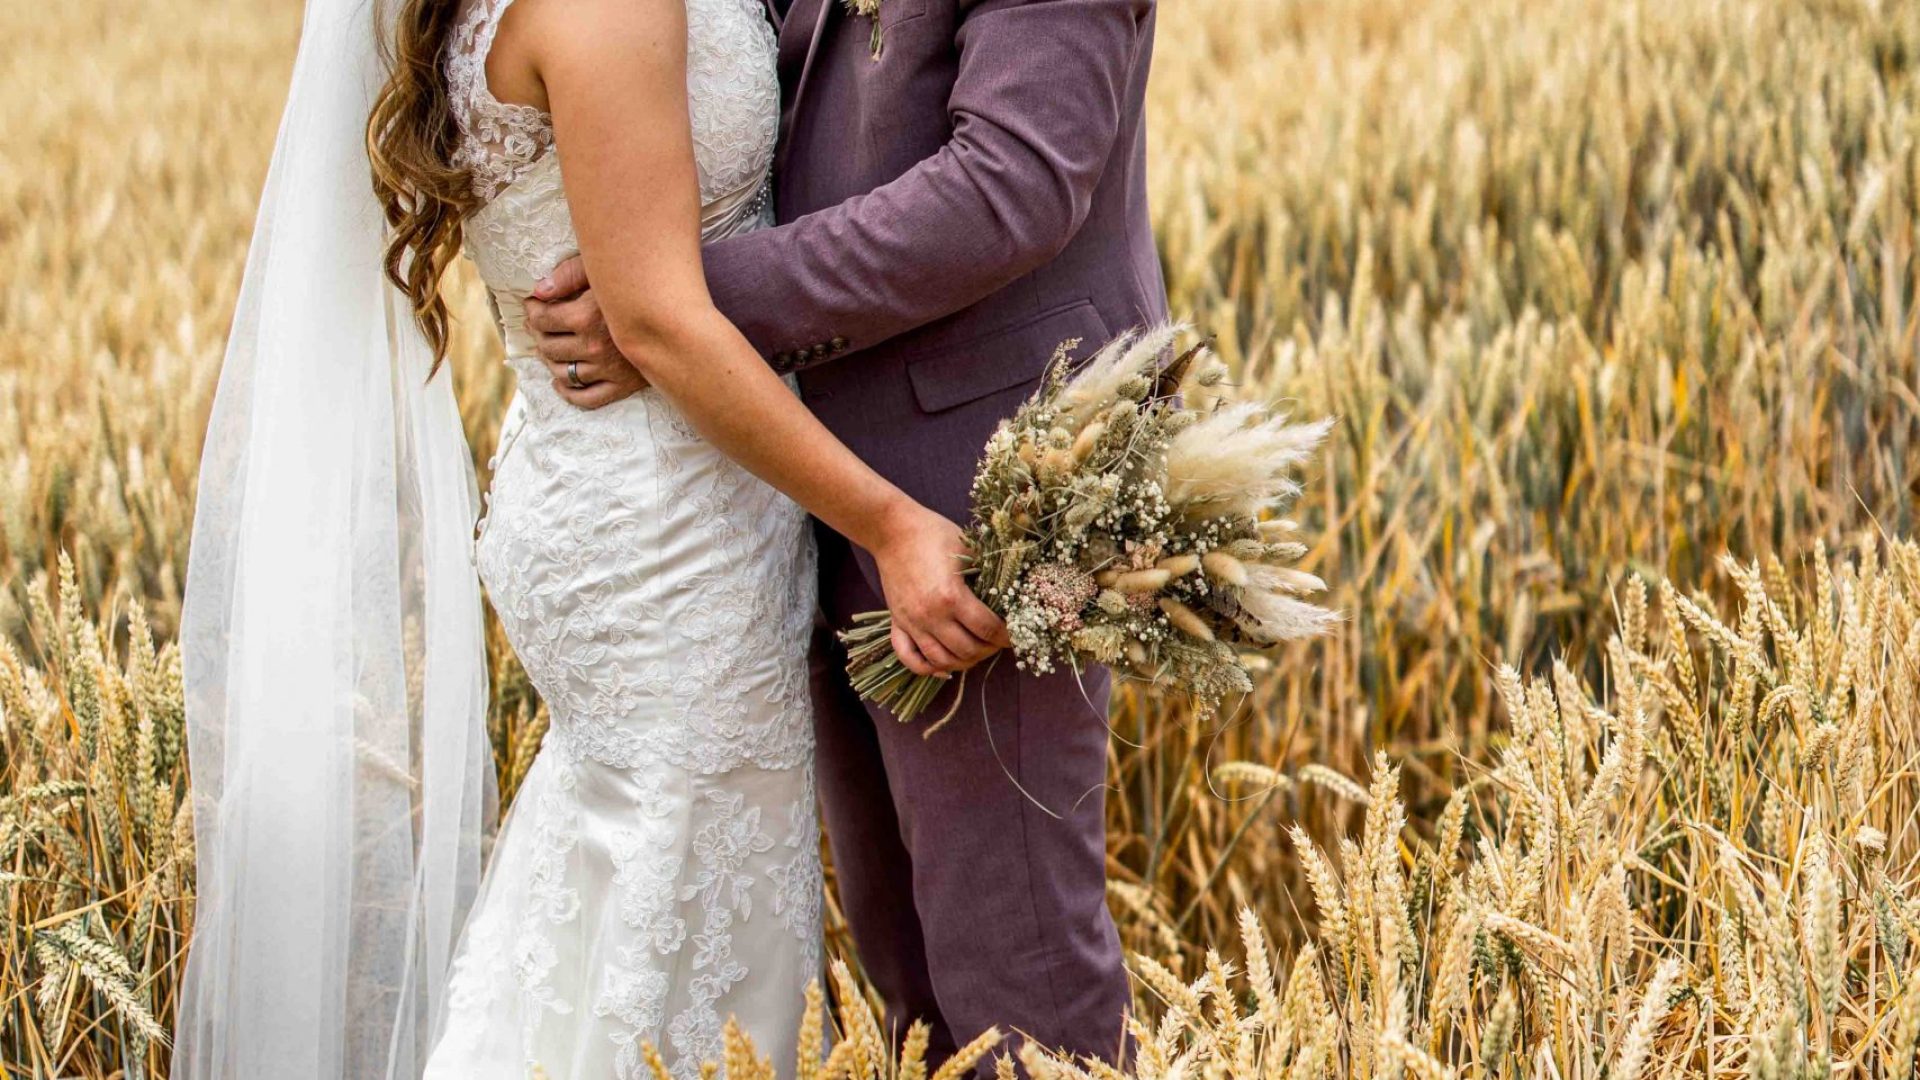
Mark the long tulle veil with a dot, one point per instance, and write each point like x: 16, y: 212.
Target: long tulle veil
x: 336, y: 687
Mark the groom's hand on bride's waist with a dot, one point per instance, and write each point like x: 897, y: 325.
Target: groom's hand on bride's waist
x: 572, y: 339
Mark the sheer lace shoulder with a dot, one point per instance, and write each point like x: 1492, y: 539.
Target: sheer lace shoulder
x: 499, y: 141
x: 733, y: 95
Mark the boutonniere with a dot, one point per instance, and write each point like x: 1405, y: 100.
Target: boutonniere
x: 869, y: 10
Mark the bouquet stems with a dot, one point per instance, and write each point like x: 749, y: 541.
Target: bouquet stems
x: 880, y: 676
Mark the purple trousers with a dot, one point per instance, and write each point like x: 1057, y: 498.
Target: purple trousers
x: 974, y: 903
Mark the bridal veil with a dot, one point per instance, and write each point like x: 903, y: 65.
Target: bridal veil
x: 336, y: 688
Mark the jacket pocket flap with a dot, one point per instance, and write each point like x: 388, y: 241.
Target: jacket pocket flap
x: 957, y: 374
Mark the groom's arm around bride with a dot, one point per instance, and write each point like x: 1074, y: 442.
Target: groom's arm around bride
x: 950, y: 210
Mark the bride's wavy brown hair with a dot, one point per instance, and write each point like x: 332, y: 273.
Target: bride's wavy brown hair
x: 410, y: 141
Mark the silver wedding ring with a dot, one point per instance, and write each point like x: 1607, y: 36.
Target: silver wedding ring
x: 573, y: 375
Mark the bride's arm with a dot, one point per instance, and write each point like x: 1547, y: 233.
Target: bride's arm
x: 614, y: 73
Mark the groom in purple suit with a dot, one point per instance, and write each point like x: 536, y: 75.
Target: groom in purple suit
x: 951, y: 210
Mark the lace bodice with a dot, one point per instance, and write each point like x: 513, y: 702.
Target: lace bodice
x: 732, y: 88
x: 524, y: 227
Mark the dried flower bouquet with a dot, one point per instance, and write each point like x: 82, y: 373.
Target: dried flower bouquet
x: 1122, y: 517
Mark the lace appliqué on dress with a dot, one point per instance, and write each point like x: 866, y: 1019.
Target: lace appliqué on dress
x: 498, y: 140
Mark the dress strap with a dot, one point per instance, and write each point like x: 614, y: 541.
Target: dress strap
x: 498, y: 140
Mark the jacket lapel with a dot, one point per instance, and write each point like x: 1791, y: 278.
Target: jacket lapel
x: 800, y: 35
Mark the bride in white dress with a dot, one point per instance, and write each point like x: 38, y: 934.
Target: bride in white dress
x: 651, y: 562
x: 661, y: 870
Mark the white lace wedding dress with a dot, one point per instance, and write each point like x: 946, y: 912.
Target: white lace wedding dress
x: 658, y: 871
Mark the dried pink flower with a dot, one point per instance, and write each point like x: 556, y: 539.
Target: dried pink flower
x: 1062, y: 590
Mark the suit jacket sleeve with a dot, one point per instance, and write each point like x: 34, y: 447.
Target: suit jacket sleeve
x: 1035, y: 111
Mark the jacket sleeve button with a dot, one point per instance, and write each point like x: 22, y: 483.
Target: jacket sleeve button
x: 820, y: 351
x: 838, y: 344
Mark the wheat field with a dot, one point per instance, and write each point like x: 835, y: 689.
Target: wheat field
x: 1612, y: 766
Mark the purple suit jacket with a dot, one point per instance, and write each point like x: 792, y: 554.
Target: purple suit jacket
x: 949, y: 213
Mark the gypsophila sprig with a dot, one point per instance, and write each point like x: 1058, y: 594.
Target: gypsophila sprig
x: 1123, y: 516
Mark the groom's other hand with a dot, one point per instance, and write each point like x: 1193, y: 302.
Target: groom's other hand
x: 572, y: 339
